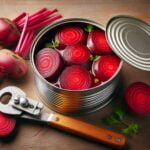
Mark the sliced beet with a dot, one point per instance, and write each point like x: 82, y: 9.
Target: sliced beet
x: 137, y: 96
x: 75, y: 78
x: 78, y: 54
x: 98, y: 44
x: 48, y: 63
x: 105, y: 67
x: 7, y: 125
x: 70, y: 35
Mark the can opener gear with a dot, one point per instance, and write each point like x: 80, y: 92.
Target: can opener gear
x: 19, y: 105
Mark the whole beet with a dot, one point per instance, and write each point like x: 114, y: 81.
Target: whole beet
x: 9, y: 33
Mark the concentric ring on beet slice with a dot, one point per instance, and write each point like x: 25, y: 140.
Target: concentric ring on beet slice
x: 105, y: 67
x: 7, y: 125
x: 137, y: 96
x: 77, y: 54
x: 75, y: 78
x: 97, y: 43
x: 70, y: 35
x: 48, y: 63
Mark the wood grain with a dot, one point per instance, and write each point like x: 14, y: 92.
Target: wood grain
x: 32, y: 136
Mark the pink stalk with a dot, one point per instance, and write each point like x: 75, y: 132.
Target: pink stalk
x: 41, y: 17
x: 28, y: 44
x: 22, y: 35
x: 39, y: 12
x: 43, y: 23
x: 19, y: 17
x: 26, y: 37
x: 38, y: 18
x: 21, y: 22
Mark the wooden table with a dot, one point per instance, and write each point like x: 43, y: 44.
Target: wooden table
x: 32, y: 136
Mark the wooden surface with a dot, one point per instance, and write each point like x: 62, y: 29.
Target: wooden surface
x: 32, y: 136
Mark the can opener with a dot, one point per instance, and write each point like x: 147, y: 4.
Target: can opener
x: 21, y: 106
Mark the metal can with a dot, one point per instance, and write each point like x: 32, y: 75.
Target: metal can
x: 69, y: 101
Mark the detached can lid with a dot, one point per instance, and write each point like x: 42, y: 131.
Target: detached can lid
x: 129, y: 38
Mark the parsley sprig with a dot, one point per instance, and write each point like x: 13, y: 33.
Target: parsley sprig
x: 117, y: 117
x: 89, y: 28
x: 53, y: 44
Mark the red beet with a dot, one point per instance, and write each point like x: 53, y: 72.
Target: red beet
x: 8, y: 65
x: 48, y: 63
x: 11, y: 65
x: 75, y: 78
x: 70, y: 36
x: 7, y: 125
x: 98, y: 44
x: 105, y: 67
x: 78, y: 54
x: 22, y: 68
x: 9, y: 34
x: 137, y: 96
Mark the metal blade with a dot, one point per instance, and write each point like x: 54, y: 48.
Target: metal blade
x: 43, y: 117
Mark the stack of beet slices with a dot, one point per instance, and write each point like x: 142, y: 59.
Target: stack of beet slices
x: 7, y: 125
x: 77, y: 59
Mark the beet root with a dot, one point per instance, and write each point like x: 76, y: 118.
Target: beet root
x: 9, y: 33
x: 70, y: 36
x: 98, y: 44
x: 137, y: 96
x: 105, y: 67
x: 7, y: 125
x: 48, y: 63
x: 11, y: 65
x: 77, y: 55
x: 75, y: 78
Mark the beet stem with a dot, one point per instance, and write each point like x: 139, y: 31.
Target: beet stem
x: 39, y: 12
x: 27, y: 45
x: 38, y: 18
x: 24, y: 42
x: 49, y: 20
x: 22, y: 15
x: 22, y: 35
x: 41, y: 17
x: 20, y: 23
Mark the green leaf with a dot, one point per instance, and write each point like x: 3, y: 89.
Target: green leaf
x: 96, y: 58
x: 132, y: 128
x: 89, y: 28
x: 125, y: 131
x: 53, y: 44
x: 119, y: 113
x: 110, y: 120
x: 91, y: 57
x: 48, y: 45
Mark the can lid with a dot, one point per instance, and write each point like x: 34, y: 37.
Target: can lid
x: 129, y: 38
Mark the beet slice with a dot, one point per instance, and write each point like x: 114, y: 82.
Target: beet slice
x: 7, y: 125
x: 77, y: 55
x: 98, y: 44
x: 105, y: 67
x: 137, y: 96
x: 48, y: 63
x: 70, y: 35
x: 75, y: 78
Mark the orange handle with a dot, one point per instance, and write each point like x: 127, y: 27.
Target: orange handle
x: 87, y: 130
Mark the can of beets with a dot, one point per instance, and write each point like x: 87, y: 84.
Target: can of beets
x: 68, y: 101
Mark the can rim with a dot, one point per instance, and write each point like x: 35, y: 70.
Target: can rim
x: 58, y: 23
x: 119, y: 54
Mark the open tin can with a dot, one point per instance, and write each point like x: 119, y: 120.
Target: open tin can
x: 123, y: 36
